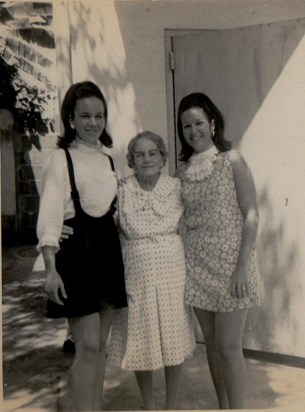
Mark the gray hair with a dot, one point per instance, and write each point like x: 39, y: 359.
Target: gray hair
x: 159, y: 142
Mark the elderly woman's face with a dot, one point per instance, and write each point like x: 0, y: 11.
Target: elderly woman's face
x: 148, y: 160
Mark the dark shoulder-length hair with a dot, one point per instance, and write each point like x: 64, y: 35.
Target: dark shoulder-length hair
x: 80, y: 91
x: 212, y: 112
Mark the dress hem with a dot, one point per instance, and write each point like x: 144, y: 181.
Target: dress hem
x: 189, y: 355
x: 249, y: 306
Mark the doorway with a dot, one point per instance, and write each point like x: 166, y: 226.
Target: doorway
x: 236, y: 68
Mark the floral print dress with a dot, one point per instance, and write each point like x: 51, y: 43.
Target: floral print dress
x: 214, y: 224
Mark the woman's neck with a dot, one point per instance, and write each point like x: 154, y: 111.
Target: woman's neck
x: 147, y: 183
x: 83, y: 142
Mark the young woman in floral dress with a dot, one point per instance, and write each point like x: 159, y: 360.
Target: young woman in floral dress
x: 221, y: 220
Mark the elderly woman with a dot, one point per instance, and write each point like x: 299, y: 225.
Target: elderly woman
x: 156, y: 331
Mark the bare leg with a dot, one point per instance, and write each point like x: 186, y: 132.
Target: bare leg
x: 68, y: 332
x: 207, y: 324
x: 87, y: 370
x: 145, y: 382
x: 68, y: 345
x: 173, y: 375
x: 229, y: 330
x: 106, y: 319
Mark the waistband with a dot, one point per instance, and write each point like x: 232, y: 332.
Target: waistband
x: 157, y: 238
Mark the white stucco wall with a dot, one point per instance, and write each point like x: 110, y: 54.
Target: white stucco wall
x: 274, y: 145
x: 120, y: 45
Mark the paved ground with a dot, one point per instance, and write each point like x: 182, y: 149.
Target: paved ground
x: 35, y: 368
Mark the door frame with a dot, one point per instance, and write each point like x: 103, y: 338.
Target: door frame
x: 169, y: 35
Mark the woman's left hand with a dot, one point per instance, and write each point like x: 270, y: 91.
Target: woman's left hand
x: 240, y: 282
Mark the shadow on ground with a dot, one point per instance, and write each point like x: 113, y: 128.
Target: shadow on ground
x: 35, y: 367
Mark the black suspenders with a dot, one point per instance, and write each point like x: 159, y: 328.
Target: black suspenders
x: 74, y: 191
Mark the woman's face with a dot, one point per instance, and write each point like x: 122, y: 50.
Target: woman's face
x: 197, y: 129
x: 89, y: 119
x: 147, y: 158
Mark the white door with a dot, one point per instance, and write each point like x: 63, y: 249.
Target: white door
x: 236, y: 68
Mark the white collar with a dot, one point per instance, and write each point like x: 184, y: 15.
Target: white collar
x: 135, y: 198
x: 202, y: 164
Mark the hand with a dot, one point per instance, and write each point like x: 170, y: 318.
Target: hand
x: 54, y: 283
x: 240, y: 282
x: 66, y: 232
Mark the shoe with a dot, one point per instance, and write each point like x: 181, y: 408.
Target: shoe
x: 68, y: 346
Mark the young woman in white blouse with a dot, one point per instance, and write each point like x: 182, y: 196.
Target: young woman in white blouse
x: 84, y: 274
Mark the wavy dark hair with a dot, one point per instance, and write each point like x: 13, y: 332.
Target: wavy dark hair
x: 155, y: 138
x: 75, y: 92
x: 212, y: 112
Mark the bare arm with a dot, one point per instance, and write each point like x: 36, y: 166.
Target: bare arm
x: 246, y: 196
x: 54, y: 282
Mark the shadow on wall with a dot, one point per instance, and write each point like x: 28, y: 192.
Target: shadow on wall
x: 29, y: 92
x: 280, y: 290
x: 28, y: 170
x: 100, y: 45
x: 20, y: 197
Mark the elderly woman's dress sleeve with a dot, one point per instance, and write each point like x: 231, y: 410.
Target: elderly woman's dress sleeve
x: 52, y: 201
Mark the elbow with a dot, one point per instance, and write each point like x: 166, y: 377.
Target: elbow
x: 255, y: 225
x: 256, y: 219
x: 251, y: 220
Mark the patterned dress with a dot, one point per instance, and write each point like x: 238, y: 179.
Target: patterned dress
x: 214, y: 223
x: 156, y: 330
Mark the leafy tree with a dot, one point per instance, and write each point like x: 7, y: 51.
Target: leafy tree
x: 24, y: 101
x: 7, y: 90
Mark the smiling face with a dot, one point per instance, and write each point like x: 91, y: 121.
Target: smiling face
x: 197, y: 129
x: 147, y: 158
x: 89, y: 119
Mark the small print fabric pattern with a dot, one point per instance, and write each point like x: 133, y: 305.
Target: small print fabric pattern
x: 157, y: 328
x: 214, y: 227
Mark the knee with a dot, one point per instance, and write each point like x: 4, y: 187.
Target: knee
x: 230, y: 352
x: 209, y: 339
x: 89, y: 345
x: 103, y: 341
